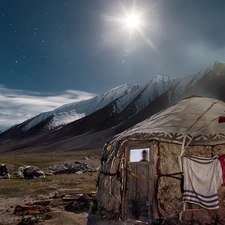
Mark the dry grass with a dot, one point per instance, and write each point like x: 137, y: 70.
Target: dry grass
x: 63, y: 183
x: 44, y: 159
x: 66, y: 183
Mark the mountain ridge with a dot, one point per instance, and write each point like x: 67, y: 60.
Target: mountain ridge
x: 89, y: 123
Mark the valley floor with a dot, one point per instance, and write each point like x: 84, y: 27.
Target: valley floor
x: 53, y: 189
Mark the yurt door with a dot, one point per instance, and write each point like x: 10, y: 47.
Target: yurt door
x: 139, y: 191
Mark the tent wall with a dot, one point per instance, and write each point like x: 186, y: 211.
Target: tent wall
x: 164, y: 192
x: 169, y: 191
x: 208, y: 216
x: 109, y: 186
x: 169, y: 194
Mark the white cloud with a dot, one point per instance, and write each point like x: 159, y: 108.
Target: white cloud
x: 17, y: 106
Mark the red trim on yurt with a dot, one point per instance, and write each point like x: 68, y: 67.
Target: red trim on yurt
x: 221, y: 119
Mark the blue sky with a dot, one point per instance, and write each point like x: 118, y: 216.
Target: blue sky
x: 52, y: 47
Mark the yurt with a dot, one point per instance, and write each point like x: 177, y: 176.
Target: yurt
x: 168, y: 167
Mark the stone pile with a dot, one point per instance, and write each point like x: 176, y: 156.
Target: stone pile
x: 67, y: 167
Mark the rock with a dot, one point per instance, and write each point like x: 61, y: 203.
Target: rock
x: 79, y: 172
x: 49, y: 174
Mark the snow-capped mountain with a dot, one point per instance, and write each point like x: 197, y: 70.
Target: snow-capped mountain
x: 74, y: 111
x: 155, y: 88
x: 89, y: 123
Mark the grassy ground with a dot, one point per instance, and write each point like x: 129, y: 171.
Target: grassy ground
x: 44, y: 159
x: 62, y: 183
x: 67, y: 183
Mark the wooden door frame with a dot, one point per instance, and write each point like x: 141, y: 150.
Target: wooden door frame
x: 152, y: 181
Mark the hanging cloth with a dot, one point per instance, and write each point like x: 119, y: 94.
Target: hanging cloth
x: 202, y: 179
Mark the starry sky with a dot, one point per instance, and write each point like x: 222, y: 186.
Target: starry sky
x: 58, y: 51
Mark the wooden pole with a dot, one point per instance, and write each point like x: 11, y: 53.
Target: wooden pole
x: 124, y: 184
x: 150, y: 183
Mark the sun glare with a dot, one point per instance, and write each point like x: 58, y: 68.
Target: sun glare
x: 132, y: 21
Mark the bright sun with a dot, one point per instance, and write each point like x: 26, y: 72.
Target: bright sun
x: 135, y: 22
x: 132, y: 21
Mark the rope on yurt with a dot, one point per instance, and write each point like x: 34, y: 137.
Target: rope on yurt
x: 172, y: 175
x: 185, y: 146
x: 199, y: 131
x: 184, y: 139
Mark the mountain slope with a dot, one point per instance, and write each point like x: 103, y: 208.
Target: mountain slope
x: 74, y: 111
x: 88, y: 124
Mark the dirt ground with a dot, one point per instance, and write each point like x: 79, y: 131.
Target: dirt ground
x: 22, y: 192
x: 17, y: 191
x: 57, y: 217
x: 26, y: 194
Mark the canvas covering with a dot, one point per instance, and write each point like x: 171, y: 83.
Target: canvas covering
x: 195, y: 119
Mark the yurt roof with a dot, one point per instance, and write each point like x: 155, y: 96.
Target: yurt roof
x: 194, y: 120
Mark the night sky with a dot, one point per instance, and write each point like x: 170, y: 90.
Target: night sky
x: 59, y: 51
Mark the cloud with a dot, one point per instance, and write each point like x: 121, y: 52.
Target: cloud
x: 18, y: 105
